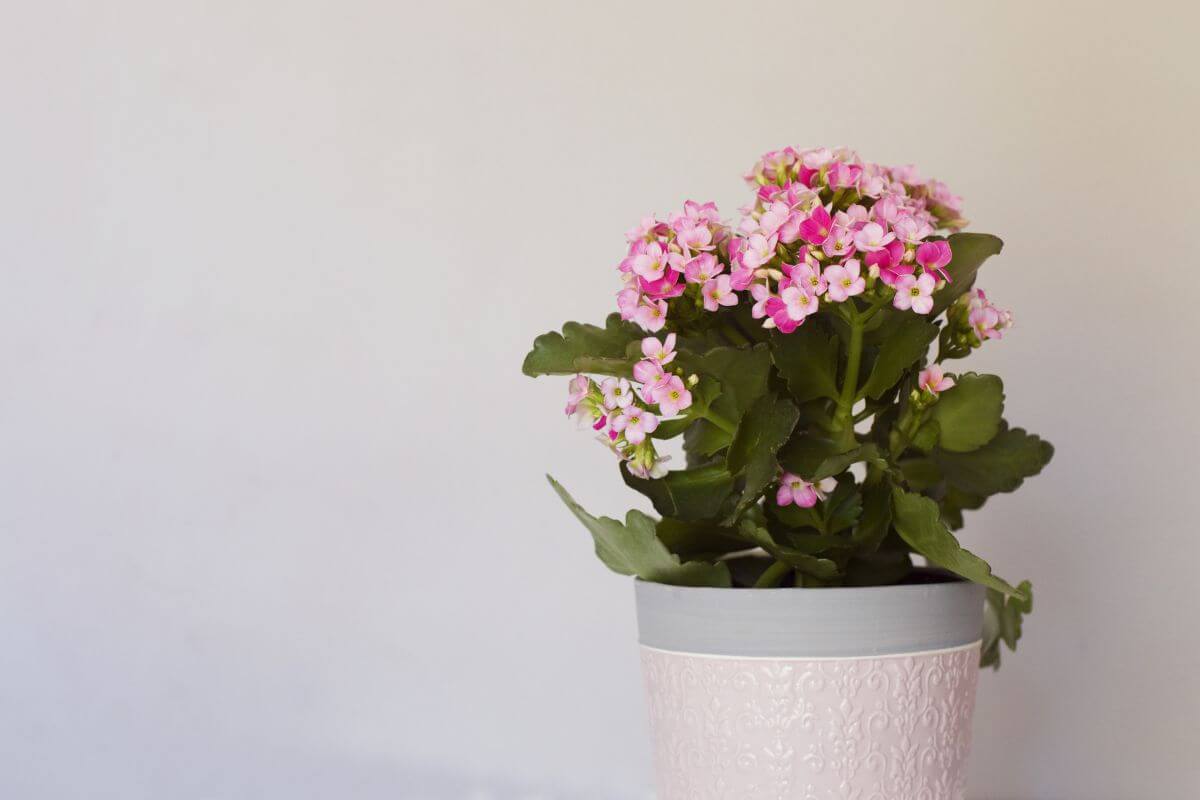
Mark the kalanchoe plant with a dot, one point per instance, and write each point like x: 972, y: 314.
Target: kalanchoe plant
x: 795, y: 358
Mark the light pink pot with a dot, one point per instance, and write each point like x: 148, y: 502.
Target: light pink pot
x: 749, y: 700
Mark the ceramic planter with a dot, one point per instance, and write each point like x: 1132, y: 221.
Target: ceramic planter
x: 811, y: 694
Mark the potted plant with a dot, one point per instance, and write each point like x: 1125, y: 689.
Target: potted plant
x: 802, y: 366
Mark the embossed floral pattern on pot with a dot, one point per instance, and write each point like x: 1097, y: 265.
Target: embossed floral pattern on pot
x: 887, y: 728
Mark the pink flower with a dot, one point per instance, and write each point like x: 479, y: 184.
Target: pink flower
x: 816, y: 229
x: 840, y: 241
x: 617, y: 393
x: 906, y: 173
x: 871, y: 184
x: 890, y: 262
x: 914, y: 293
x: 794, y: 489
x: 843, y: 176
x: 808, y: 278
x: 942, y: 196
x: 646, y: 464
x: 627, y: 303
x: 987, y: 319
x: 717, y: 293
x: 648, y: 372
x: 886, y: 209
x: 789, y: 310
x: 910, y: 230
x: 740, y: 278
x: 659, y: 352
x: 789, y: 231
x: 635, y: 423
x: 702, y: 268
x: 694, y: 239
x: 853, y: 217
x: 817, y: 157
x: 844, y: 280
x: 665, y: 287
x: 933, y: 380
x: 872, y: 237
x: 706, y: 212
x: 651, y: 315
x: 761, y: 295
x: 577, y: 389
x: 645, y: 229
x: 650, y: 260
x: 671, y: 395
x: 775, y: 216
x: 934, y: 256
x: 757, y: 250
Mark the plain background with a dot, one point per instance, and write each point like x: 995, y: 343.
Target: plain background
x: 272, y: 515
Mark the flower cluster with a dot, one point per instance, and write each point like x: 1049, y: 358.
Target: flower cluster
x: 833, y: 225
x: 970, y: 321
x: 985, y: 319
x: 624, y: 411
x: 666, y: 259
x: 824, y: 226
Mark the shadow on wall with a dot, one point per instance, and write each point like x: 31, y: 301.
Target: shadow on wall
x: 422, y: 783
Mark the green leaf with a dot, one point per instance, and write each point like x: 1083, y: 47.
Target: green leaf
x: 918, y: 521
x: 704, y: 439
x: 905, y: 342
x: 699, y: 539
x: 876, y: 520
x: 807, y: 452
x: 793, y: 516
x: 886, y: 567
x: 999, y: 466
x: 763, y: 429
x: 634, y: 549
x: 686, y: 494
x: 968, y: 416
x: 583, y: 348
x: 836, y: 464
x: 670, y: 428
x: 969, y: 251
x: 1002, y: 622
x: 699, y: 435
x: 842, y: 508
x: 803, y: 562
x: 807, y: 359
x: 742, y: 373
x: 954, y: 502
x: 926, y: 437
x: 920, y: 473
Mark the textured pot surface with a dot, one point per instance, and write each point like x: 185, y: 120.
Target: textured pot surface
x: 811, y: 694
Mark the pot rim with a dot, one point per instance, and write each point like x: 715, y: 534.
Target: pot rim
x: 949, y: 578
x: 826, y: 622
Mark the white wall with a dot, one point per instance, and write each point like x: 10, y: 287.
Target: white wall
x: 272, y: 515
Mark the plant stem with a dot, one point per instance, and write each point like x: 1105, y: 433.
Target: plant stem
x: 734, y: 335
x: 773, y: 575
x: 842, y: 421
x: 719, y: 421
x: 750, y: 337
x: 904, y: 433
